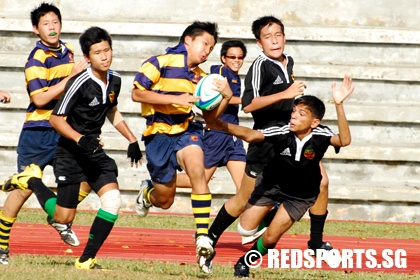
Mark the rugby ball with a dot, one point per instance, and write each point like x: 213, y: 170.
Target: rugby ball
x: 209, y: 98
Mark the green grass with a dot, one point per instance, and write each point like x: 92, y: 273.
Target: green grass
x: 59, y: 267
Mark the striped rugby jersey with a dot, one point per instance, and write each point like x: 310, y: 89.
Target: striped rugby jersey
x: 167, y: 74
x: 45, y: 68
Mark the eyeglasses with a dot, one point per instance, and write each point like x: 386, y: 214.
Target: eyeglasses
x: 234, y: 57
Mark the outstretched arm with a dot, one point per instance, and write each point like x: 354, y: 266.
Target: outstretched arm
x: 339, y: 95
x: 243, y: 132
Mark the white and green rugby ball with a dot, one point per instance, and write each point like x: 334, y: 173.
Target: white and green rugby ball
x: 209, y: 98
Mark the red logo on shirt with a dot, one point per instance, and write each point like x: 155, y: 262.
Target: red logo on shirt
x: 194, y: 138
x: 309, y: 154
x: 112, y: 96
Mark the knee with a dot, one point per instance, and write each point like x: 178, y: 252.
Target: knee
x: 245, y: 232
x: 166, y: 203
x: 111, y: 201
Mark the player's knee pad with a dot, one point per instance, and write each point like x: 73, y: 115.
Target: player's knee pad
x: 245, y: 232
x: 111, y: 201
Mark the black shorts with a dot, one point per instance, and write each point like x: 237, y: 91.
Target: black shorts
x: 73, y: 167
x: 264, y: 195
x: 253, y: 169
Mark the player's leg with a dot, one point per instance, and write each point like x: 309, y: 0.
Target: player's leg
x: 279, y: 225
x: 318, y: 215
x: 236, y: 169
x: 231, y: 209
x: 8, y: 216
x: 102, y: 225
x: 183, y: 181
x: 191, y: 159
x: 162, y: 165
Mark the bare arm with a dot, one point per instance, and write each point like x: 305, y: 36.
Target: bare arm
x: 243, y: 132
x: 55, y: 91
x: 151, y: 97
x: 339, y: 95
x: 295, y: 89
x: 235, y: 100
x: 59, y: 123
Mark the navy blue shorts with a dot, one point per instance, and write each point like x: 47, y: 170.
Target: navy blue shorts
x: 161, y: 151
x: 220, y: 147
x: 36, y: 146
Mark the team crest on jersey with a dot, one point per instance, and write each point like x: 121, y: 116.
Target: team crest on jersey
x: 309, y: 154
x: 234, y: 81
x: 112, y: 96
x: 196, y: 78
x: 194, y: 138
x: 293, y: 76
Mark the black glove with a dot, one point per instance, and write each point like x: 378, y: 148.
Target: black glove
x: 134, y: 153
x: 89, y: 144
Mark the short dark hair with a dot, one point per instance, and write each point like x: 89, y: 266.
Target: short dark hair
x: 42, y: 10
x: 197, y: 28
x: 232, y: 44
x: 91, y: 36
x: 314, y: 104
x: 261, y: 22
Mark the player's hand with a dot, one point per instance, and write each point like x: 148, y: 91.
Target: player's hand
x: 187, y: 99
x: 79, y: 67
x: 296, y: 89
x: 217, y: 125
x: 134, y: 153
x: 223, y: 87
x: 90, y: 144
x: 4, y: 97
x: 339, y: 94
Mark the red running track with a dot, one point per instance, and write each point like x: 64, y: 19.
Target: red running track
x: 178, y: 246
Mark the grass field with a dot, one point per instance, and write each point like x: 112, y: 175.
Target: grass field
x: 59, y: 267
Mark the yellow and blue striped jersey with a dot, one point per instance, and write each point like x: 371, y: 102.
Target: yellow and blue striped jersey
x: 167, y: 74
x: 44, y: 68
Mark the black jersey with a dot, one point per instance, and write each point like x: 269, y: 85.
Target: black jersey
x: 295, y: 165
x: 266, y: 77
x: 86, y: 101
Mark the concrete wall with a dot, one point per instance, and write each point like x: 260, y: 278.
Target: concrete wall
x: 376, y: 178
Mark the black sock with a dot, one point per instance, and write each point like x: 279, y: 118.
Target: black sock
x: 222, y: 221
x: 42, y: 192
x: 317, y: 229
x: 101, y: 227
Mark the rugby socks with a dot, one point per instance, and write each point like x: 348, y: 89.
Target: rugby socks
x: 6, y: 224
x: 258, y: 246
x: 222, y: 221
x: 317, y: 229
x: 82, y: 195
x: 146, y: 194
x: 46, y: 198
x: 101, y: 227
x: 201, y: 210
